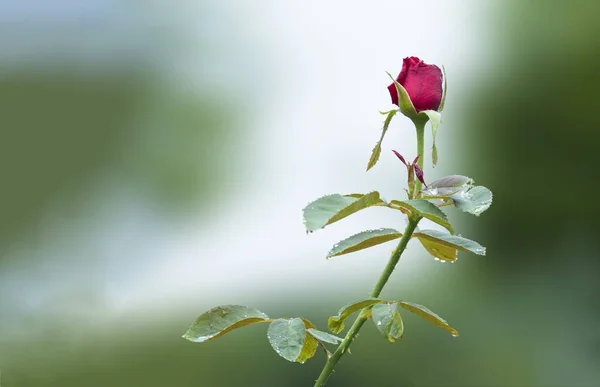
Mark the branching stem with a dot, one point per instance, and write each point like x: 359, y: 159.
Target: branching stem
x: 363, y: 316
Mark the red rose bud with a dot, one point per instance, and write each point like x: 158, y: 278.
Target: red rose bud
x: 422, y: 82
x: 400, y: 157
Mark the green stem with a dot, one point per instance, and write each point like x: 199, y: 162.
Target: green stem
x: 420, y: 126
x: 362, y: 317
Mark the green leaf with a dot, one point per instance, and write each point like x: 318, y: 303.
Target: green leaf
x: 377, y: 149
x: 428, y: 315
x: 287, y: 337
x: 434, y: 155
x: 388, y: 321
x: 336, y: 323
x: 435, y: 118
x: 439, y: 251
x: 221, y: 320
x: 404, y: 102
x: 453, y: 241
x: 324, y: 336
x: 331, y: 208
x: 474, y: 200
x: 310, y: 343
x: 423, y: 208
x: 364, y: 240
x: 307, y: 323
x: 447, y: 186
x: 308, y: 349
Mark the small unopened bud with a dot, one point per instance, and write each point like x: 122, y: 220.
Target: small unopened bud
x: 400, y: 157
x: 419, y: 172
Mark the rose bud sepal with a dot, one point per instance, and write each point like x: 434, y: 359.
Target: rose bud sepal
x: 404, y: 102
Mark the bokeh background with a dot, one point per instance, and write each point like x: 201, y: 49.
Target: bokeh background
x: 155, y: 159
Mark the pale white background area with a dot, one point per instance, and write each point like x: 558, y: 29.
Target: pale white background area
x: 310, y: 76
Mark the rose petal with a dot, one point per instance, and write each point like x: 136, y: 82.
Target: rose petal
x: 407, y: 63
x: 393, y: 93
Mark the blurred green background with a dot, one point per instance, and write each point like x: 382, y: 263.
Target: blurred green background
x: 155, y: 160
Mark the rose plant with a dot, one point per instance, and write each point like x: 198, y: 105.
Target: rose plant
x: 418, y: 92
